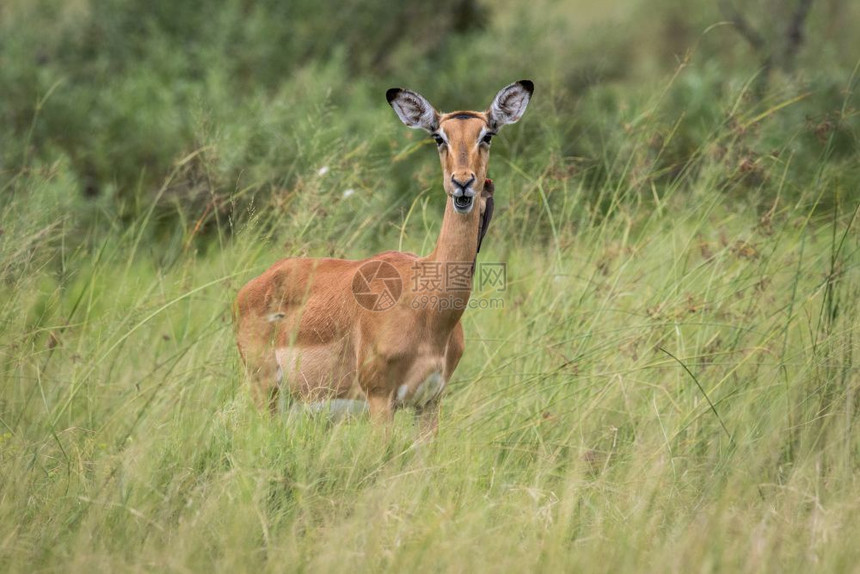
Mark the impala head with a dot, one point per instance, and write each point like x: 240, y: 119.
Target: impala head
x: 463, y: 138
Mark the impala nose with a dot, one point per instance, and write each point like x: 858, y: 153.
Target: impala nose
x: 462, y: 184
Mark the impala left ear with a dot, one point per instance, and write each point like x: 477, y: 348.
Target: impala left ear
x: 510, y: 103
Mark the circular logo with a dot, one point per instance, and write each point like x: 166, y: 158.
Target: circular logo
x: 377, y: 286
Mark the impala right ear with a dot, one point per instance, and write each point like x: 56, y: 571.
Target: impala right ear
x: 413, y: 109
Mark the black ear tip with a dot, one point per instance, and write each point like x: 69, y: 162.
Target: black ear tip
x: 528, y: 85
x: 392, y: 93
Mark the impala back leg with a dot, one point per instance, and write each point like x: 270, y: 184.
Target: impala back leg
x: 262, y: 372
x: 263, y: 377
x: 264, y: 382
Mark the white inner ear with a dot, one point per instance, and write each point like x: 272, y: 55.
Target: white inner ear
x: 509, y: 105
x: 414, y: 110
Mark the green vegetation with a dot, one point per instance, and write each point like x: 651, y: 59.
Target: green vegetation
x: 671, y: 385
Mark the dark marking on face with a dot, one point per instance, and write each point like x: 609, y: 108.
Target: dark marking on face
x: 465, y: 116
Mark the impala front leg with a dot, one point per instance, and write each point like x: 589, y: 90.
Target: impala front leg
x: 381, y: 407
x: 427, y: 417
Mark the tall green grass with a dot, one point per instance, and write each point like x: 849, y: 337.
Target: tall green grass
x: 672, y: 385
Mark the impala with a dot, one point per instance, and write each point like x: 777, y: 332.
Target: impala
x: 332, y: 330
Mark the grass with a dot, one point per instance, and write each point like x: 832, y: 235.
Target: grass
x: 671, y: 384
x: 667, y: 389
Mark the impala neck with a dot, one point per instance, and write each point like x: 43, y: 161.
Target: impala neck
x: 458, y: 239
x: 453, y: 256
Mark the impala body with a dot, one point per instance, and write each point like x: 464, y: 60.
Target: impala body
x: 324, y: 329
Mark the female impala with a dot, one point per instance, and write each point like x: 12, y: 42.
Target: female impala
x: 338, y: 329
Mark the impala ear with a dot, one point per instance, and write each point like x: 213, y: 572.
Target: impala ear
x: 413, y: 109
x: 510, y: 103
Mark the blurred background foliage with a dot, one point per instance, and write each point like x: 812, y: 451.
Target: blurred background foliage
x: 222, y: 108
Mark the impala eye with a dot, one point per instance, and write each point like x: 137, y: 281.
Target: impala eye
x: 438, y: 139
x: 487, y: 139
